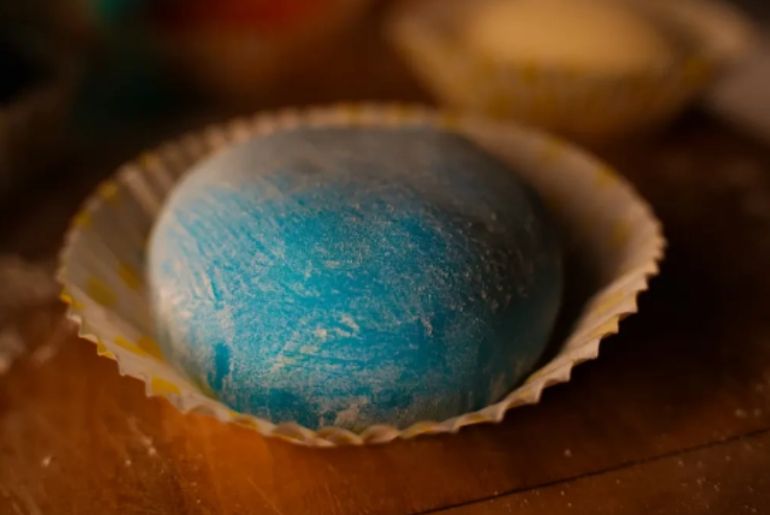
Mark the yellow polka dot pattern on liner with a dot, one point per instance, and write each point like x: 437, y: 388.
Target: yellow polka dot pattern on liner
x: 82, y: 219
x: 129, y: 276
x: 144, y: 346
x: 161, y: 386
x: 108, y: 190
x: 100, y: 292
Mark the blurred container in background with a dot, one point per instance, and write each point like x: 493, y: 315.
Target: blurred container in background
x: 589, y: 69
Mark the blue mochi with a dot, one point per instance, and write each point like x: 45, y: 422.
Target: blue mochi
x: 354, y: 276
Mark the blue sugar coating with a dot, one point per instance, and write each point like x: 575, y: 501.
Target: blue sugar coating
x: 353, y: 276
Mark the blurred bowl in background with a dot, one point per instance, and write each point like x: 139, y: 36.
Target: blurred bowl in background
x: 590, y: 70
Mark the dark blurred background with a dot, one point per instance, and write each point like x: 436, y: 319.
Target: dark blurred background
x: 87, y: 84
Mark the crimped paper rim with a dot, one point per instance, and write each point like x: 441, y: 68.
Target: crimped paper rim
x: 615, y: 300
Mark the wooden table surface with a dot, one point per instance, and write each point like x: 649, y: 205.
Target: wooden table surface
x: 673, y: 418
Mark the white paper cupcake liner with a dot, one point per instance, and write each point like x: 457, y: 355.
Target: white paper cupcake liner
x: 102, y: 261
x: 574, y: 102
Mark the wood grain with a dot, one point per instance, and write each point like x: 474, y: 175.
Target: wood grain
x: 729, y: 477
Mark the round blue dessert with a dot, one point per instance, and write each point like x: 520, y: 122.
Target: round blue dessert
x: 354, y: 276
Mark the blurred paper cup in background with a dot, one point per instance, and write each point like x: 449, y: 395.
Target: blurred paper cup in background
x: 593, y: 70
